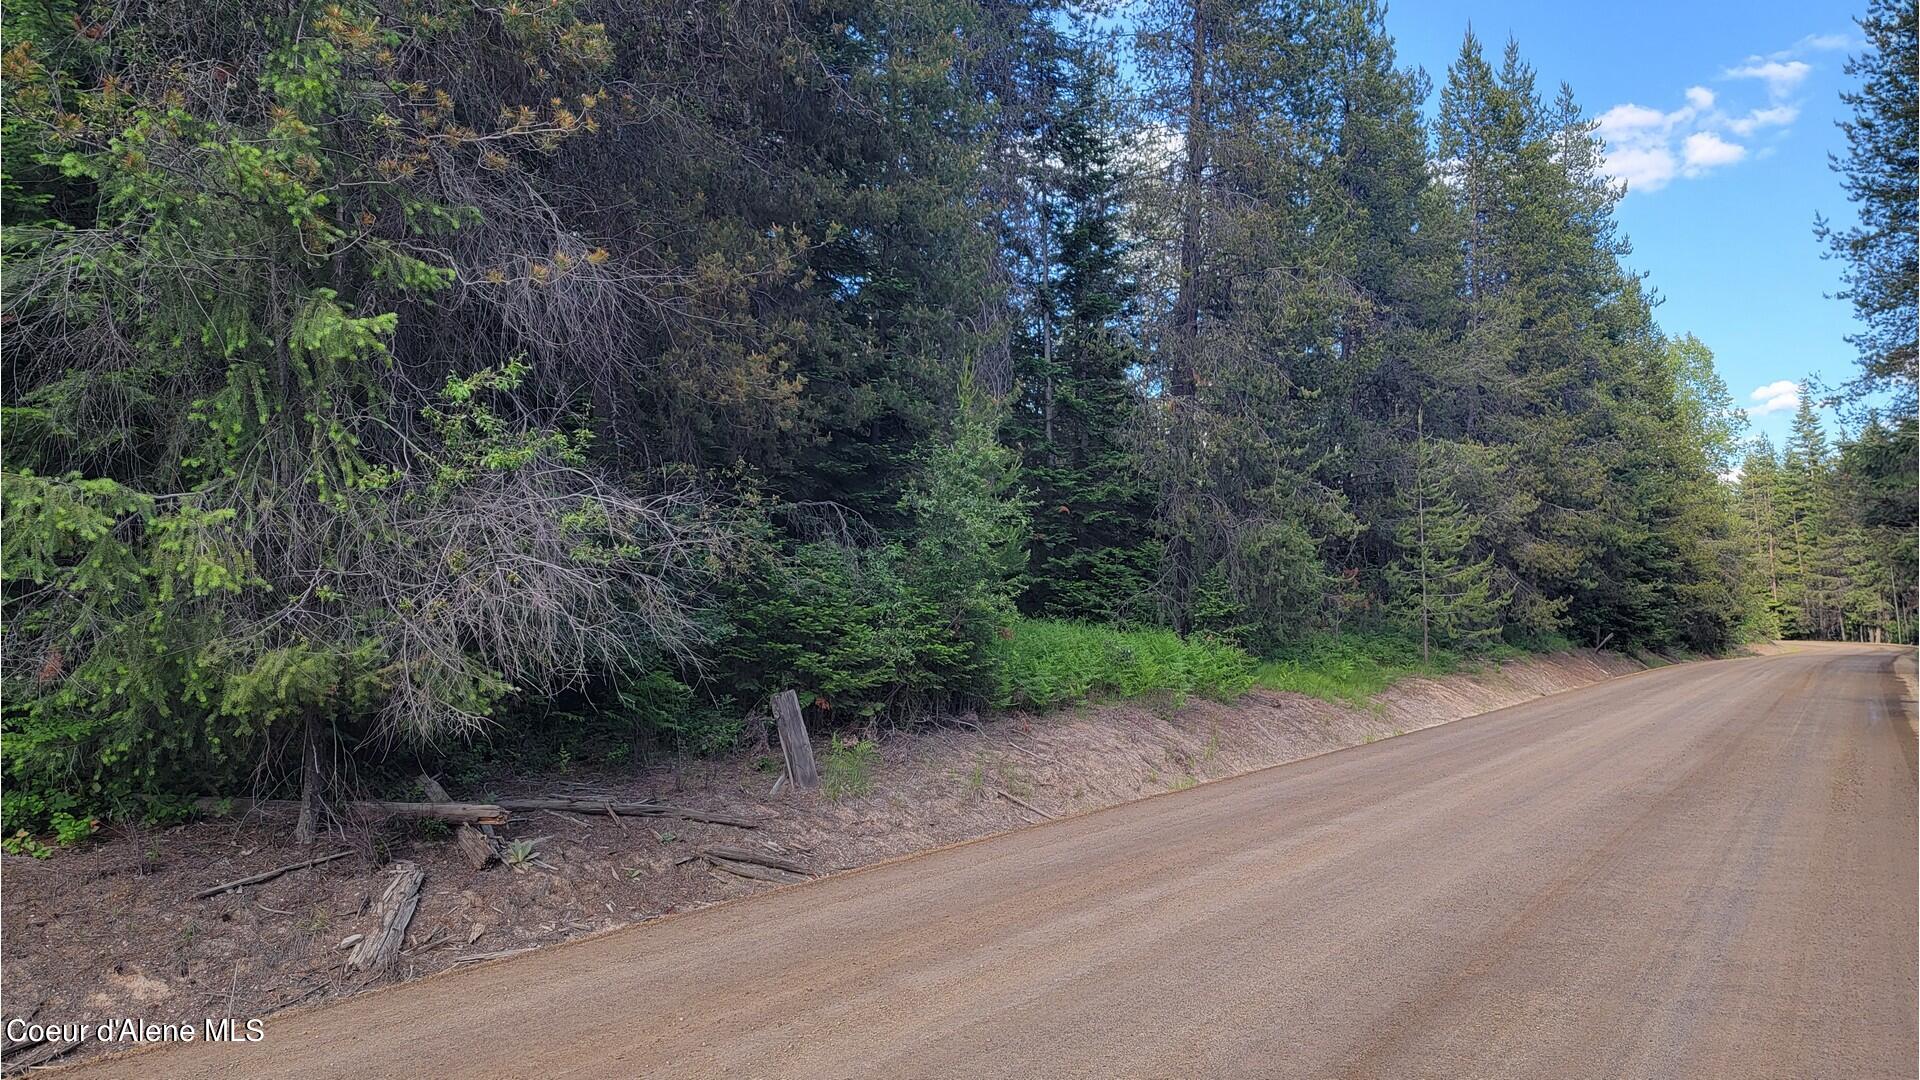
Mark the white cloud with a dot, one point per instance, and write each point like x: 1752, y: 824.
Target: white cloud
x: 1703, y: 150
x: 1774, y: 116
x: 1782, y: 396
x: 1639, y: 144
x: 1781, y: 76
x: 1647, y: 148
x: 1819, y: 43
x: 1642, y: 168
x: 1622, y: 119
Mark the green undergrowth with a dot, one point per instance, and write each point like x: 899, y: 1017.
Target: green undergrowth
x: 1350, y: 669
x: 1043, y: 664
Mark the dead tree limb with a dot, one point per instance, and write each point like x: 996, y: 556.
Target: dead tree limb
x: 268, y: 875
x: 475, y: 846
x: 1026, y: 805
x: 469, y: 813
x: 750, y: 870
x: 591, y: 805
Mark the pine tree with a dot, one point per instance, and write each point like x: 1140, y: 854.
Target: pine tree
x: 1093, y: 551
x: 1759, y: 486
x: 1241, y: 367
x: 1806, y: 489
x: 1443, y: 589
x: 1881, y: 176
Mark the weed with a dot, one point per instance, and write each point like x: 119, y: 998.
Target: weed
x: 977, y: 778
x: 520, y: 855
x: 1183, y: 783
x: 1018, y: 782
x: 23, y: 843
x: 847, y: 767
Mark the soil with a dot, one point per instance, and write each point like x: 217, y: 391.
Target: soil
x: 112, y: 930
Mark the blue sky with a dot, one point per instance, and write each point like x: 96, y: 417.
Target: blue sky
x: 1720, y: 115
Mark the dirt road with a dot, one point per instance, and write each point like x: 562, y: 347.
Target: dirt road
x: 1702, y: 871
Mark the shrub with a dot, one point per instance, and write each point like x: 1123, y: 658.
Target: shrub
x: 893, y: 628
x: 846, y: 628
x: 1042, y: 664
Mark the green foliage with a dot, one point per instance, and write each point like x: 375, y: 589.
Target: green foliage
x: 887, y: 630
x: 847, y: 767
x: 1351, y: 668
x: 1043, y: 664
x: 20, y: 843
x: 1446, y: 593
x: 31, y: 814
x: 25, y: 810
x: 1881, y: 253
x: 847, y: 629
x: 520, y: 855
x: 1075, y: 412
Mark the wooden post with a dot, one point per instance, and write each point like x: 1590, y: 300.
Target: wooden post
x: 793, y: 741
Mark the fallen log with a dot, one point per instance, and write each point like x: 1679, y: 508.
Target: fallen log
x: 761, y: 858
x: 377, y: 950
x: 475, y: 846
x: 268, y: 875
x: 467, y: 813
x: 750, y: 870
x: 589, y: 805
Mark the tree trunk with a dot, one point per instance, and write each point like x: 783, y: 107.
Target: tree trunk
x: 307, y: 829
x: 1182, y: 379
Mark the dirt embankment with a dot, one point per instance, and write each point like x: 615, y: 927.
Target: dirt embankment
x: 112, y: 931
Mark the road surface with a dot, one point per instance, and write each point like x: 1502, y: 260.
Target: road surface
x: 1701, y: 871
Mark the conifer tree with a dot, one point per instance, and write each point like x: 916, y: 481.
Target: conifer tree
x: 1443, y: 589
x: 1806, y: 502
x: 1881, y: 176
x: 1093, y: 550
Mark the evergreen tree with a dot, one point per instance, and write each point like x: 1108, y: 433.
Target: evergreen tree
x: 1442, y: 588
x: 1093, y: 551
x: 1759, y: 487
x: 1881, y: 176
x: 1806, y: 489
x: 1247, y: 363
x: 1876, y: 492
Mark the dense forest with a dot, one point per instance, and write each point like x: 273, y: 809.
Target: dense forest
x: 383, y: 374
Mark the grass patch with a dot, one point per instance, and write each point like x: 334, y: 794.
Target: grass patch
x: 1350, y: 669
x: 1043, y: 664
x: 847, y: 767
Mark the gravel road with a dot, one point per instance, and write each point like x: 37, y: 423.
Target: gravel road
x: 1699, y: 871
